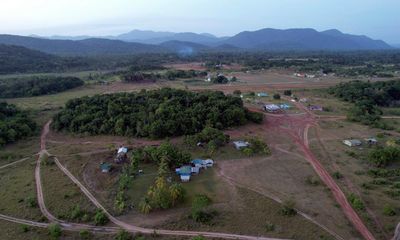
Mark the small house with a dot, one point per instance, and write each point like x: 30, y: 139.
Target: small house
x: 184, y: 172
x: 239, y: 145
x: 303, y: 100
x: 208, y: 163
x: 371, y: 141
x: 195, y: 169
x: 262, y: 94
x: 272, y: 108
x: 121, y: 155
x: 105, y: 167
x: 198, y: 163
x: 315, y: 108
x: 352, y: 142
x: 284, y: 106
x: 123, y: 150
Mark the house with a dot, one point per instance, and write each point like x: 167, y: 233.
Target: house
x: 315, y: 108
x: 352, y: 142
x: 303, y: 100
x: 121, y: 155
x: 123, y: 150
x: 198, y: 163
x: 239, y: 145
x: 262, y: 94
x: 208, y: 162
x: 105, y: 167
x: 195, y: 170
x: 371, y: 141
x: 272, y: 108
x: 284, y: 106
x: 184, y: 172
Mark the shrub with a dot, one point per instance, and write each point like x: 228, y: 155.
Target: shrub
x: 383, y: 156
x: 84, y: 234
x: 25, y: 228
x: 389, y: 210
x: 199, y: 204
x: 55, y: 231
x: 288, y: 208
x: 31, y: 201
x: 100, y: 218
x: 312, y: 181
x: 198, y: 238
x: 277, y: 96
x: 356, y: 202
x: 337, y: 175
x: 123, y: 235
x: 269, y: 227
x: 287, y: 92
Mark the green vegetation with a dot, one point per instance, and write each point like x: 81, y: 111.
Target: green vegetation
x: 55, y: 231
x: 288, y: 208
x: 123, y: 235
x: 356, y: 202
x: 14, y: 124
x: 209, y: 137
x: 257, y: 146
x: 367, y: 98
x: 155, y: 114
x: 163, y: 194
x: 383, y: 156
x: 277, y: 96
x: 287, y: 92
x: 100, y: 218
x: 389, y: 210
x: 199, y: 212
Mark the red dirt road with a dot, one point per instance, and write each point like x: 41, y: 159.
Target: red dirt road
x: 297, y: 127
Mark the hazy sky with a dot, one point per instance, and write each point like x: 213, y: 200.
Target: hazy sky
x: 378, y: 19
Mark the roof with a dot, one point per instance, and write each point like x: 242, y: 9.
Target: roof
x: 122, y: 150
x: 197, y: 161
x: 353, y: 141
x: 105, y: 166
x: 262, y: 94
x: 284, y: 106
x: 241, y: 144
x: 185, y: 170
x: 272, y: 107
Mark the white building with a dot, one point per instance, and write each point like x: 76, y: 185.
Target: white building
x: 352, y: 142
x: 241, y: 144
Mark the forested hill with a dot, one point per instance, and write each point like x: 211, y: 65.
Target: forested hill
x: 15, y: 59
x: 155, y: 114
x: 85, y: 47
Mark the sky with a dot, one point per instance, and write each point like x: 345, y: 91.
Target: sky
x: 379, y: 19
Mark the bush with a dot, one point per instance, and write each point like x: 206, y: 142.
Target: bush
x: 55, y: 230
x: 312, y: 181
x: 389, y: 210
x: 198, y: 238
x: 199, y: 204
x: 100, y: 218
x: 25, y: 228
x: 269, y: 227
x: 123, y: 235
x: 84, y: 234
x: 31, y: 201
x: 287, y: 92
x: 383, y: 156
x: 277, y: 96
x: 356, y: 202
x: 337, y: 175
x: 288, y: 208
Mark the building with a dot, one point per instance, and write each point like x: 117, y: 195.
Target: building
x: 315, y: 108
x: 121, y: 155
x: 272, y: 108
x: 105, y: 167
x: 371, y: 141
x: 208, y: 163
x: 184, y: 172
x: 262, y: 94
x: 123, y: 150
x: 239, y: 145
x: 284, y: 106
x: 352, y: 142
x: 303, y: 100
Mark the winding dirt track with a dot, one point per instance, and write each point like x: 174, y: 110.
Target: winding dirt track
x: 12, y: 163
x: 297, y: 127
x: 120, y: 224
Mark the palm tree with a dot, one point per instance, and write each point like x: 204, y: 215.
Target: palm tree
x: 145, y: 206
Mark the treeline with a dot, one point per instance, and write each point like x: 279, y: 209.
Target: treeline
x: 367, y: 98
x: 36, y: 86
x: 155, y: 114
x: 14, y: 124
x: 138, y: 76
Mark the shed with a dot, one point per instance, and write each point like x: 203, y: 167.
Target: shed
x: 271, y: 108
x: 105, y: 167
x: 198, y: 162
x: 208, y: 162
x: 315, y: 108
x: 371, y: 141
x: 239, y: 145
x: 262, y: 94
x: 284, y: 106
x: 123, y: 150
x: 352, y: 142
x: 195, y: 170
x: 185, y: 178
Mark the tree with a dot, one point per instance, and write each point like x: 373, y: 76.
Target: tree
x: 277, y: 96
x: 123, y: 235
x: 145, y: 206
x: 288, y: 208
x: 84, y: 234
x: 287, y: 92
x: 55, y: 230
x: 177, y: 193
x: 382, y: 156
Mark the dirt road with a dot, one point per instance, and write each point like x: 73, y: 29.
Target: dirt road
x: 297, y: 127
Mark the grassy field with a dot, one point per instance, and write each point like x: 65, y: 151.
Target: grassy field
x: 351, y: 163
x: 18, y: 192
x: 63, y: 198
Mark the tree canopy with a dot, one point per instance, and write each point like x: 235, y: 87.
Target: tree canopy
x: 14, y: 124
x: 155, y: 114
x: 36, y: 86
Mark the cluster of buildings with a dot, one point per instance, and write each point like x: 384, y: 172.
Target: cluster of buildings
x: 121, y: 157
x: 357, y: 142
x: 274, y: 108
x: 186, y: 171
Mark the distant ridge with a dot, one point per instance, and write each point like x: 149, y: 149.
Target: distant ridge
x: 137, y: 42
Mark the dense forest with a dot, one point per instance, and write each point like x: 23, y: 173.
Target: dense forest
x: 133, y: 76
x: 367, y: 98
x: 155, y: 114
x: 36, y: 86
x: 14, y: 124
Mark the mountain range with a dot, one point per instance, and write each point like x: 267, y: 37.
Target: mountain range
x: 138, y: 41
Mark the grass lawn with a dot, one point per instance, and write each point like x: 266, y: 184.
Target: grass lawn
x: 18, y: 192
x: 62, y: 196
